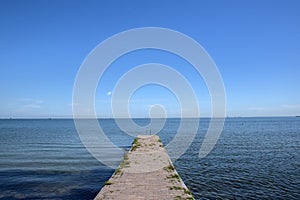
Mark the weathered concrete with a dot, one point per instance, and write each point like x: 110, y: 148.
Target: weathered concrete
x: 146, y: 172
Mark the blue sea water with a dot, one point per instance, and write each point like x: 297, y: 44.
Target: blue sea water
x: 255, y: 158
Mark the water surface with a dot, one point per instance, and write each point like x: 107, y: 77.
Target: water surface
x: 255, y: 158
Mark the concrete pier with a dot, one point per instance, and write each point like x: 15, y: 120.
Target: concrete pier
x: 146, y: 172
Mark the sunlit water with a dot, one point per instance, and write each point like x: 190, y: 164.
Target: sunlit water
x: 255, y: 158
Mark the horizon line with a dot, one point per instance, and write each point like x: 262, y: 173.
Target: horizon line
x: 52, y: 118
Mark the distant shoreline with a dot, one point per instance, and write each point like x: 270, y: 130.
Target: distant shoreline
x: 134, y: 118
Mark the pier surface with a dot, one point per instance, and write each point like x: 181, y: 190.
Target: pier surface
x: 146, y: 172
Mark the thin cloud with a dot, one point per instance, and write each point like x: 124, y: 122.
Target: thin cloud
x: 30, y: 100
x: 29, y: 103
x: 291, y: 106
x: 257, y: 108
x: 73, y: 104
x: 32, y: 106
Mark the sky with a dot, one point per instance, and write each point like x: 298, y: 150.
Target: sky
x: 255, y: 45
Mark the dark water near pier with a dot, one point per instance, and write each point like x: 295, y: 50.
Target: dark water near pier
x: 255, y: 158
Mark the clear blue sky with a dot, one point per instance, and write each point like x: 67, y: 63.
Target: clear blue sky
x: 255, y: 44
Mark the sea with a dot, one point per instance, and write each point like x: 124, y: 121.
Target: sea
x: 254, y: 158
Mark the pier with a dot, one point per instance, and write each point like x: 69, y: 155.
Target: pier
x: 146, y: 172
